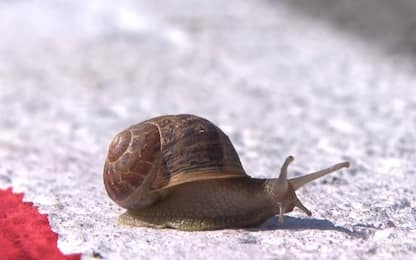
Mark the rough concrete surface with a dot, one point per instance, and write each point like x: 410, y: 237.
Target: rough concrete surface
x: 325, y: 81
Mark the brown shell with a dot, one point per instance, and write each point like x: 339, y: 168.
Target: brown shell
x: 166, y: 151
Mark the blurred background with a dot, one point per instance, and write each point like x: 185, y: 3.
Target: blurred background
x: 323, y: 80
x: 294, y: 72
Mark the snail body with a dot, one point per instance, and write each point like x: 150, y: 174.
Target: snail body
x: 182, y: 171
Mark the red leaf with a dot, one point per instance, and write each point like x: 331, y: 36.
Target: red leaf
x: 24, y: 232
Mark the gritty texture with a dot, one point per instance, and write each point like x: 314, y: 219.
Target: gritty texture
x: 325, y: 81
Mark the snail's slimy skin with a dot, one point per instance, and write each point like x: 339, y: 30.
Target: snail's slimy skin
x: 208, y: 205
x: 225, y: 203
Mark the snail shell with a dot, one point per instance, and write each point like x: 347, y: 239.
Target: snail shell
x: 163, y: 152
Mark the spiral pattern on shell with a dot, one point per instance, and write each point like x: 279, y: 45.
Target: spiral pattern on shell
x: 163, y: 152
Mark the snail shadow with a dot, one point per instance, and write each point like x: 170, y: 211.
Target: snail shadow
x: 293, y: 223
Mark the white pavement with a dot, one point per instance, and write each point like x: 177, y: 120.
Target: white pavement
x: 322, y: 81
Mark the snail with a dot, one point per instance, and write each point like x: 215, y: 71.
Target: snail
x: 182, y: 172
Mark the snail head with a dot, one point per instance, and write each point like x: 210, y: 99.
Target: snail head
x: 283, y: 190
